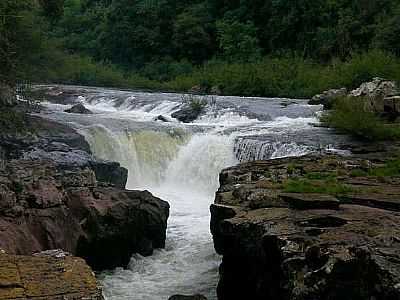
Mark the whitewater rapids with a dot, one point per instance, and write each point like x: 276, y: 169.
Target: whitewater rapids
x: 180, y: 164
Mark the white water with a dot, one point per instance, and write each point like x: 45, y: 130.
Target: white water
x: 180, y: 164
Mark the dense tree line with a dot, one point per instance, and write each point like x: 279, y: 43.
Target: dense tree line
x: 133, y: 33
x: 76, y: 40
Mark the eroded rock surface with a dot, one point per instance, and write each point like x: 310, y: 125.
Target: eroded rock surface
x: 47, y: 277
x: 55, y: 194
x: 281, y: 244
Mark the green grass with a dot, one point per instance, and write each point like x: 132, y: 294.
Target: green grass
x: 331, y: 186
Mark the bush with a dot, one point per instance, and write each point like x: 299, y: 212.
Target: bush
x: 350, y: 115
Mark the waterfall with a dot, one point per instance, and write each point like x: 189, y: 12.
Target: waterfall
x: 180, y: 163
x: 146, y: 154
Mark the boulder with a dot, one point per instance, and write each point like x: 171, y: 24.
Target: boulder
x: 44, y: 207
x: 392, y: 106
x: 187, y: 114
x: 300, y: 245
x: 182, y: 297
x: 375, y: 92
x: 79, y: 109
x: 161, y: 118
x: 47, y: 277
x: 328, y: 97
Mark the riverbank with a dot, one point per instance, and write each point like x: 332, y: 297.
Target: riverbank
x: 287, y: 77
x: 314, y: 227
x: 56, y: 195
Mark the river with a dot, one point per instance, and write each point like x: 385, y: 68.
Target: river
x: 180, y: 163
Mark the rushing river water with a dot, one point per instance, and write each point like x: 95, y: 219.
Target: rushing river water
x: 180, y: 163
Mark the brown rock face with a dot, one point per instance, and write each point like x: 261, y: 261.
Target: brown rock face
x: 284, y: 245
x: 43, y: 208
x: 47, y: 278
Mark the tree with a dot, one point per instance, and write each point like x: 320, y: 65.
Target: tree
x: 238, y: 41
x: 192, y: 34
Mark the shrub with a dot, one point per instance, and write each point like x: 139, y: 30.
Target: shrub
x: 350, y: 115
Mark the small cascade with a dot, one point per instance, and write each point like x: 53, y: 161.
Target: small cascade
x: 146, y: 154
x: 247, y: 149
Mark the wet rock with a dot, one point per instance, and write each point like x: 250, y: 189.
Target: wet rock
x: 182, y: 297
x: 45, y: 207
x: 301, y: 245
x: 47, y: 277
x: 79, y: 109
x: 161, y: 118
x: 188, y: 113
x: 328, y: 97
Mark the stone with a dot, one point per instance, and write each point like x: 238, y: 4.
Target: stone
x: 47, y: 278
x: 187, y: 114
x: 307, y: 245
x: 392, y: 105
x: 79, y: 109
x: 55, y: 195
x: 50, y: 210
x: 328, y: 97
x: 375, y: 92
x: 310, y: 201
x: 161, y: 118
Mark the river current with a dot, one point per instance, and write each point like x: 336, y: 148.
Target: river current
x: 180, y: 163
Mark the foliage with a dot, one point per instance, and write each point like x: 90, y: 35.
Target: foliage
x: 238, y: 41
x: 259, y: 48
x: 196, y: 103
x: 351, y: 115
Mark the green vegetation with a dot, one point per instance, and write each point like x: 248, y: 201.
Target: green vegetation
x: 319, y: 186
x: 353, y: 116
x: 389, y: 169
x: 260, y: 48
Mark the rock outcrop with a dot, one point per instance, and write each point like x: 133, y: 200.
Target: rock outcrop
x: 379, y: 95
x: 307, y: 228
x: 328, y: 98
x: 47, y: 277
x: 79, y: 109
x: 55, y: 194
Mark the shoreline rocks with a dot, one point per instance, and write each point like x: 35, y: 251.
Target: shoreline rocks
x: 300, y: 245
x: 47, y: 277
x: 55, y: 195
x: 382, y: 97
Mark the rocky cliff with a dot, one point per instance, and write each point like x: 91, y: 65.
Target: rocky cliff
x: 308, y: 228
x: 55, y: 194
